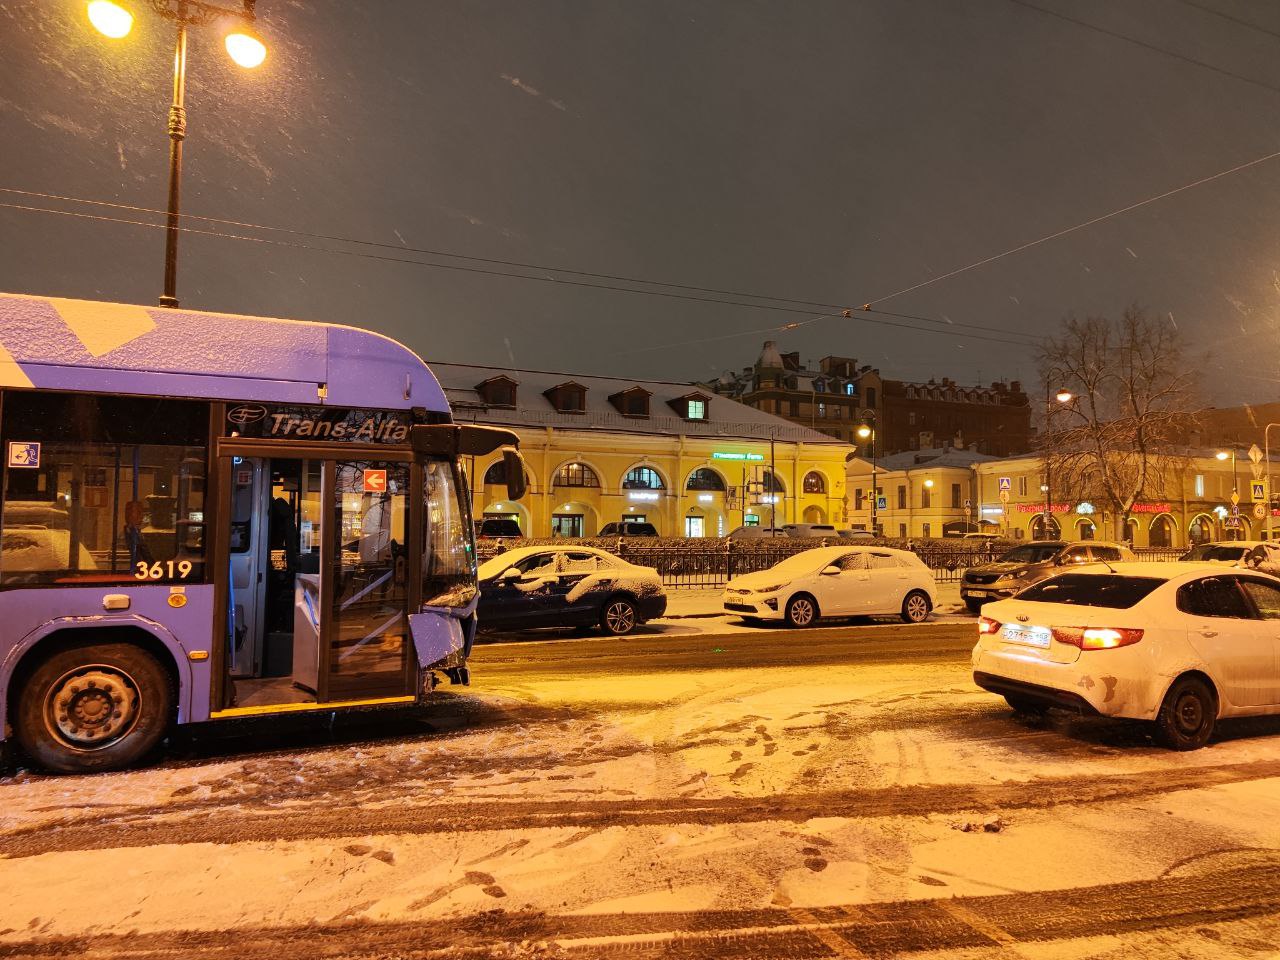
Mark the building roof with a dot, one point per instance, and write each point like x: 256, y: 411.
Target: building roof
x: 929, y: 458
x: 105, y: 347
x: 725, y: 417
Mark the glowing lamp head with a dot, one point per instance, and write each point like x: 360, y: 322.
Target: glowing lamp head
x: 246, y: 49
x: 1065, y: 396
x: 929, y: 484
x: 1222, y: 455
x: 110, y: 19
x: 864, y: 431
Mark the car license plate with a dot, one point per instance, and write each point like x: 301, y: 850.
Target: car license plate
x: 1031, y: 636
x: 968, y: 592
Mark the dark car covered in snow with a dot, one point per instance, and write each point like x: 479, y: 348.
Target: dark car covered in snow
x: 535, y: 587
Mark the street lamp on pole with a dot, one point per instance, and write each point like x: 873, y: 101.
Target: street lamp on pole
x: 1221, y: 456
x: 867, y: 431
x: 114, y: 19
x: 1063, y: 397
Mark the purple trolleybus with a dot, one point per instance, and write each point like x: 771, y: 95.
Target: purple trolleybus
x: 207, y: 516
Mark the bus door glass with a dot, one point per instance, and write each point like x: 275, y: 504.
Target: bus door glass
x: 370, y: 652
x: 274, y: 609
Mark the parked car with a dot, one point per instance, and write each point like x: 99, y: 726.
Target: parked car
x: 1031, y: 563
x: 567, y: 587
x: 755, y: 532
x: 1225, y: 551
x: 1176, y: 644
x: 814, y: 531
x: 498, y: 528
x: 856, y: 534
x: 628, y: 528
x: 835, y: 582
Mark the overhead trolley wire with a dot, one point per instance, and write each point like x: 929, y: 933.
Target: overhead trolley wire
x: 402, y: 248
x: 866, y: 314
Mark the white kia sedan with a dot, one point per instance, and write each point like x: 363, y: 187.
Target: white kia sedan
x: 1178, y: 644
x: 835, y: 582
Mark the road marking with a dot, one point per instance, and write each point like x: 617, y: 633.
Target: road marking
x: 976, y: 921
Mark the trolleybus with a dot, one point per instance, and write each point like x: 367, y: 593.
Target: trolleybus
x: 206, y: 516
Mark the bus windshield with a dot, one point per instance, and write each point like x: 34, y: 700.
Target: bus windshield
x: 449, y: 553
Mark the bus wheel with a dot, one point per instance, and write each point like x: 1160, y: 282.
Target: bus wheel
x: 94, y: 707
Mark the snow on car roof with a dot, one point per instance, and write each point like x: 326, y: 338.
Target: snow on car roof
x: 1159, y: 569
x: 507, y: 558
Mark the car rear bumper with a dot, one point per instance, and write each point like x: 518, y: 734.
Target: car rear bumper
x: 1047, y: 696
x: 651, y: 608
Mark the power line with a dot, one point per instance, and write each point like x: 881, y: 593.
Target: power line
x: 1147, y: 46
x: 1079, y: 226
x: 401, y: 248
x: 844, y: 314
x: 1248, y: 24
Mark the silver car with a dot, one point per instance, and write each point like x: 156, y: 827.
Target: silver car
x: 1031, y: 563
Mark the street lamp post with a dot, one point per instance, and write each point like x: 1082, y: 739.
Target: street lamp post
x: 1222, y: 455
x: 1063, y: 397
x: 114, y: 19
x: 868, y: 432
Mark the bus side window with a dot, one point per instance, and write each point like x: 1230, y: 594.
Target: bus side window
x: 103, y: 489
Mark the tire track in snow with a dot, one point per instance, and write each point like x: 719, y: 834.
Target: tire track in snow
x: 1246, y: 898
x: 319, y: 822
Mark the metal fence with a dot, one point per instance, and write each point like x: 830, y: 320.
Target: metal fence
x: 712, y: 562
x: 707, y: 562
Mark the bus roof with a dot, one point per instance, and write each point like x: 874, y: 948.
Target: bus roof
x: 55, y: 344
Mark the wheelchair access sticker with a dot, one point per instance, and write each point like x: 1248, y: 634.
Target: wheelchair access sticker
x: 24, y: 454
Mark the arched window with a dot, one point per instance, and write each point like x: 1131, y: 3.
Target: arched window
x: 1201, y: 529
x: 1042, y: 531
x: 814, y: 482
x: 772, y: 482
x: 643, y: 478
x: 704, y: 478
x: 576, y: 475
x: 496, y: 474
x: 1161, y: 532
x: 1087, y: 529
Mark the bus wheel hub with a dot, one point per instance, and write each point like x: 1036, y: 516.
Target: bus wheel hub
x: 93, y: 706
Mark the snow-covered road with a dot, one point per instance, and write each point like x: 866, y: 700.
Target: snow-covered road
x: 756, y: 793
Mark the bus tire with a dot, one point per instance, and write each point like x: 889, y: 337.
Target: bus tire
x: 93, y: 707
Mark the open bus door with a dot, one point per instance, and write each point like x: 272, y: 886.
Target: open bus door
x: 319, y: 586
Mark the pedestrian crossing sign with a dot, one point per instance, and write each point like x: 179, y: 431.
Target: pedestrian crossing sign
x: 1259, y: 489
x: 1006, y: 483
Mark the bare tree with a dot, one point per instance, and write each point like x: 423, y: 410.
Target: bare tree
x: 1117, y: 440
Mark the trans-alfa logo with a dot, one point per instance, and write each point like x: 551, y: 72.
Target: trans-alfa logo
x: 246, y: 413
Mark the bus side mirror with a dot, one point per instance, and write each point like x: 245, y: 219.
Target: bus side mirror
x: 513, y: 463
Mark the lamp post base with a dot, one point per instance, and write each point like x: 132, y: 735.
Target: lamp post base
x: 168, y: 301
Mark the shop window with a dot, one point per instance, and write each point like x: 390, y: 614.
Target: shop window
x: 814, y: 482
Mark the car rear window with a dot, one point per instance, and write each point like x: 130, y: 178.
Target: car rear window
x: 1092, y: 590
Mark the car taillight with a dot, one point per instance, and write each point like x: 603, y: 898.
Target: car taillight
x: 1097, y: 638
x: 987, y: 626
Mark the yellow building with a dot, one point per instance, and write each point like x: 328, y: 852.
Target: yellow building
x: 946, y: 492
x: 604, y: 449
x: 923, y: 493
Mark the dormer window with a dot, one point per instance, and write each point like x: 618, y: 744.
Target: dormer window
x: 568, y: 397
x: 692, y: 406
x: 633, y: 402
x: 498, y: 391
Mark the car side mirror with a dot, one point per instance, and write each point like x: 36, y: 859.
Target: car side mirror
x: 831, y: 571
x: 1059, y: 561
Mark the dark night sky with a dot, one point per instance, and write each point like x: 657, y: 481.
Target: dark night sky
x: 828, y: 151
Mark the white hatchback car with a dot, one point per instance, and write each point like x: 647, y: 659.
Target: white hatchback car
x: 1179, y: 644
x: 835, y: 582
